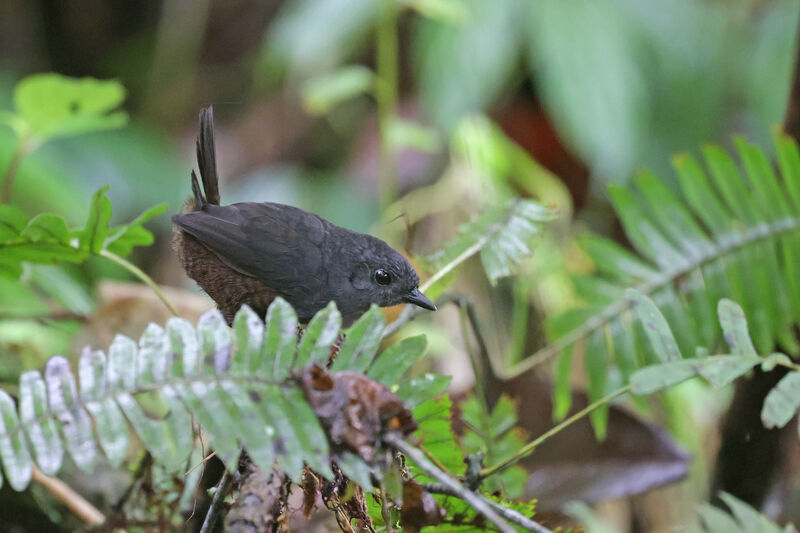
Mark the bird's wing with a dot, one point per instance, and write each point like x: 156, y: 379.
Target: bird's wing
x: 280, y: 245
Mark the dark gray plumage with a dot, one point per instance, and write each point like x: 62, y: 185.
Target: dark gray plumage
x: 249, y: 253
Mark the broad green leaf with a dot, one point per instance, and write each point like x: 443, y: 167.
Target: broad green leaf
x: 656, y: 327
x: 93, y: 236
x: 319, y: 336
x: 322, y: 94
x: 782, y: 402
x: 716, y: 519
x: 361, y: 342
x: 53, y: 105
x: 395, y: 361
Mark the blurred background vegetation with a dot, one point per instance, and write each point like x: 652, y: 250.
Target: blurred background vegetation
x: 376, y: 115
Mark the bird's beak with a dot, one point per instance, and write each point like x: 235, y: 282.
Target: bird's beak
x: 417, y: 298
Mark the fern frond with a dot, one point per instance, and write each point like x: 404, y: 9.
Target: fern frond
x: 238, y: 385
x: 728, y: 235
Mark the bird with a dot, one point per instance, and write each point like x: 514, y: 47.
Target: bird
x: 253, y: 252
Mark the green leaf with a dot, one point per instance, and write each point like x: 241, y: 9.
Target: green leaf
x: 53, y: 105
x: 13, y: 447
x: 734, y: 328
x: 112, y: 430
x: 435, y: 433
x: 655, y: 325
x: 782, y: 402
x: 12, y: 222
x: 122, y: 239
x: 502, y: 235
x: 396, y: 360
x: 47, y: 227
x: 62, y: 397
x: 93, y: 235
x: 322, y: 94
x: 654, y: 378
x: 421, y: 388
x: 280, y: 342
x: 355, y: 469
x: 319, y: 336
x: 41, y: 429
x: 721, y: 370
x: 361, y: 342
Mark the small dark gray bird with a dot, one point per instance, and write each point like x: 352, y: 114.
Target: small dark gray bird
x: 249, y: 253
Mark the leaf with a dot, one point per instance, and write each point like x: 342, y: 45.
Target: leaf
x: 322, y: 94
x: 447, y: 11
x: 501, y: 234
x: 719, y: 370
x: 93, y: 235
x: 396, y: 360
x: 782, y: 402
x: 436, y: 435
x: 319, y: 336
x: 361, y: 341
x: 53, y: 105
x: 181, y: 376
x: 12, y: 222
x: 462, y: 68
x: 734, y: 328
x: 13, y: 447
x: 47, y: 227
x: 421, y: 388
x: 122, y: 239
x: 655, y: 326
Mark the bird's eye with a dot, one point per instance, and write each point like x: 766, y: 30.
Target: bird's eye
x: 382, y: 277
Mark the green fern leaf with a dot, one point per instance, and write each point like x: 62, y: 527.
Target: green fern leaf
x: 235, y: 383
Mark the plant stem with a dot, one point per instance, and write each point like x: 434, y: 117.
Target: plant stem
x: 386, y: 95
x: 476, y: 501
x: 214, y: 509
x: 528, y: 448
x: 11, y: 170
x: 67, y: 495
x: 509, y: 514
x: 139, y: 273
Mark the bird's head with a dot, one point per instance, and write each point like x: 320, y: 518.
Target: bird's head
x: 384, y: 277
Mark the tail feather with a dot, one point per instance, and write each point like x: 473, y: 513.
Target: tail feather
x: 206, y: 156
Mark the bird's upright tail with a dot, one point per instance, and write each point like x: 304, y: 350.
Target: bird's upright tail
x: 206, y: 162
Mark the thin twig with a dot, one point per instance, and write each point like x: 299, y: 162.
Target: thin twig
x: 76, y: 503
x: 478, y: 502
x: 214, y: 509
x: 528, y: 448
x: 139, y: 273
x: 509, y: 514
